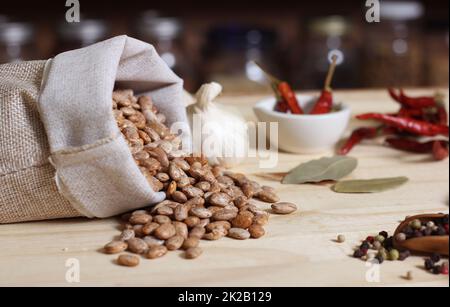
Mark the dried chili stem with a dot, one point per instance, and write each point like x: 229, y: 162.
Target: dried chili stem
x: 269, y: 76
x: 330, y: 74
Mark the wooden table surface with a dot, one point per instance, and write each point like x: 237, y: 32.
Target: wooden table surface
x: 298, y: 250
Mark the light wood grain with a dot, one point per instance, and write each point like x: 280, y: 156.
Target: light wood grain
x: 298, y: 250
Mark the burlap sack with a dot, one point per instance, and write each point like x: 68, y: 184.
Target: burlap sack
x: 62, y: 154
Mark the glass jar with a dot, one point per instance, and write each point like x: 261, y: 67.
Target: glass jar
x: 165, y: 34
x: 81, y: 34
x: 394, y: 47
x: 327, y: 36
x: 16, y: 42
x: 230, y: 55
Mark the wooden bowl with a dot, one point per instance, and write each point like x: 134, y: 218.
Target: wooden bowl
x: 423, y: 245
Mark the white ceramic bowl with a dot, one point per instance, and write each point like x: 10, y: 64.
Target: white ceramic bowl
x: 305, y: 134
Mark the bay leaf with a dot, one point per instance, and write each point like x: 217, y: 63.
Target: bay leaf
x: 324, y: 169
x: 369, y: 186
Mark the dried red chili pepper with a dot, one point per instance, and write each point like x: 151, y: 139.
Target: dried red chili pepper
x: 417, y: 102
x: 410, y: 145
x: 288, y: 95
x: 407, y: 124
x: 407, y: 112
x: 357, y: 137
x: 412, y: 102
x: 442, y: 115
x: 281, y: 105
x: 421, y: 116
x: 325, y: 103
x: 364, y: 133
x: 394, y: 95
x: 386, y: 130
x: 435, y: 115
x: 440, y: 150
x: 286, y: 98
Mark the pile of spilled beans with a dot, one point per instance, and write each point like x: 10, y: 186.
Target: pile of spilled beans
x: 203, y: 202
x: 383, y: 247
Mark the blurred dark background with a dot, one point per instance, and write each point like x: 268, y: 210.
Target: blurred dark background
x: 205, y: 40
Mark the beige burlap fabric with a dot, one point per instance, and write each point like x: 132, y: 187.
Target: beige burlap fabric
x: 62, y: 154
x: 27, y: 188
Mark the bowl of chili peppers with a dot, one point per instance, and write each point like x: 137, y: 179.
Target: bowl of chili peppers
x: 306, y: 124
x: 304, y: 133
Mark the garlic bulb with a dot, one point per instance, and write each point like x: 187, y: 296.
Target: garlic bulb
x: 219, y: 135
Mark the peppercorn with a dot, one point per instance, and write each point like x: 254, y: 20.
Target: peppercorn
x: 429, y: 264
x: 409, y: 275
x: 435, y: 258
x: 358, y: 253
x: 394, y: 255
x: 436, y: 270
x: 400, y: 237
x: 428, y: 232
x: 370, y: 239
x: 365, y: 245
x: 341, y: 238
x: 435, y: 231
x: 416, y: 224
x: 383, y: 253
x: 430, y: 224
x: 389, y: 243
x: 441, y: 231
x: 380, y: 259
x: 408, y: 231
x: 418, y: 234
x: 409, y: 234
x: 404, y: 255
x: 380, y: 238
x: 377, y: 245
x: 384, y: 234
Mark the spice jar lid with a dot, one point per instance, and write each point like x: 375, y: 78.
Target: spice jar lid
x: 401, y: 10
x: 16, y: 33
x: 87, y: 31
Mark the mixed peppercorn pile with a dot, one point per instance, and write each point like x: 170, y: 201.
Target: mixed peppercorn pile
x: 384, y: 249
x: 417, y: 118
x: 383, y: 245
x: 418, y: 228
x: 432, y: 265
